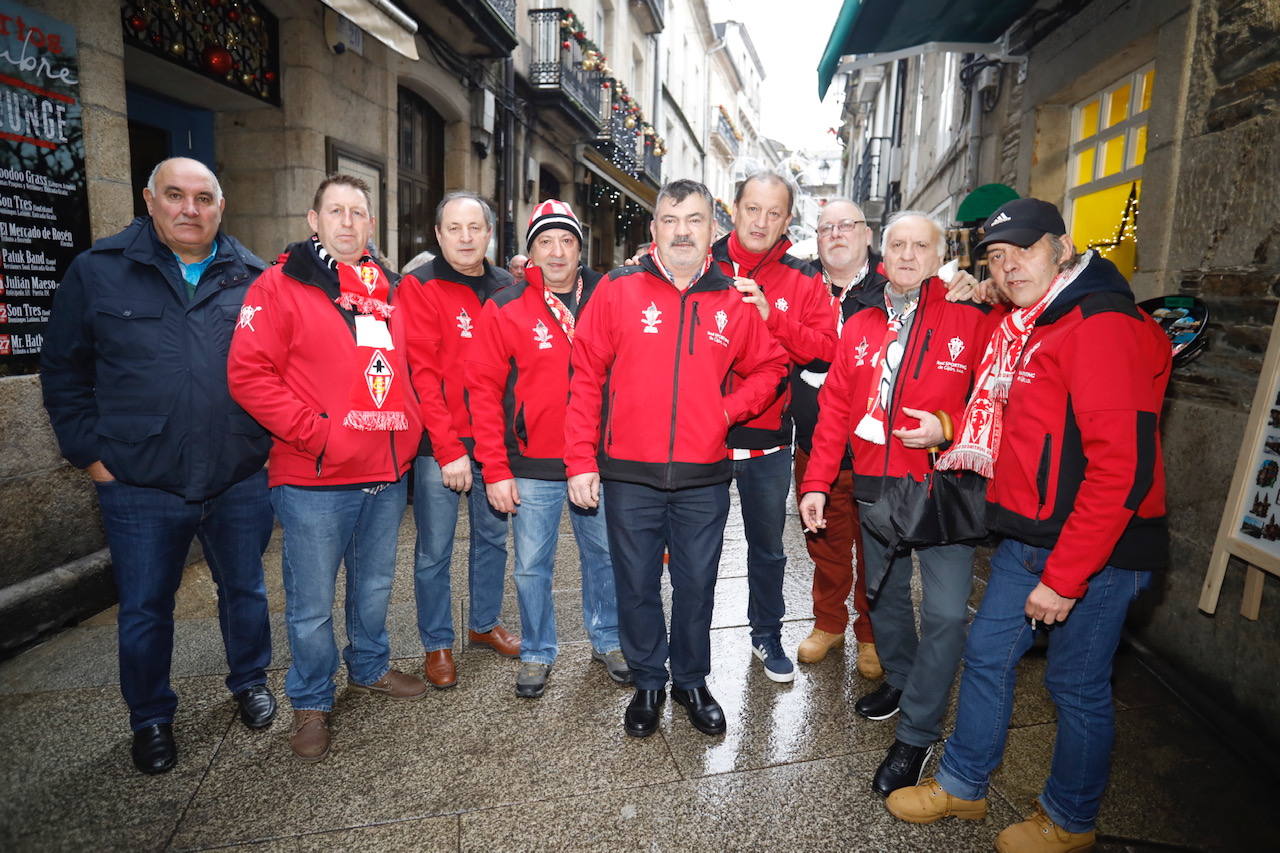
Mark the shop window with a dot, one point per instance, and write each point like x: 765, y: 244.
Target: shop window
x: 1108, y: 149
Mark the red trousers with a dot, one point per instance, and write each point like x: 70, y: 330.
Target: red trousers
x: 835, y: 550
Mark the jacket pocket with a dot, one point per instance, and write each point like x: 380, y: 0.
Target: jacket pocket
x: 130, y: 429
x: 128, y: 329
x: 1042, y: 472
x: 521, y: 428
x: 135, y: 450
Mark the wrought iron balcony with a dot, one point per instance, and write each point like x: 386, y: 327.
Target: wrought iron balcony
x: 651, y: 165
x: 870, y: 178
x: 728, y: 137
x: 556, y: 73
x: 505, y: 10
x: 615, y: 140
x: 490, y: 25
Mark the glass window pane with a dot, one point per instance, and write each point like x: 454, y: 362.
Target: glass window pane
x: 1138, y: 146
x: 1118, y: 105
x: 1112, y: 156
x: 1084, y: 167
x: 1147, y: 82
x: 1088, y: 121
x: 1096, y: 222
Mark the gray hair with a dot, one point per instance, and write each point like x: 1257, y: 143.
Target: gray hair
x: 940, y: 232
x: 769, y: 176
x: 680, y: 189
x: 489, y: 217
x: 151, y: 179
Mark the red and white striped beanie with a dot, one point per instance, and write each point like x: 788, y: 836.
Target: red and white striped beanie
x: 552, y: 213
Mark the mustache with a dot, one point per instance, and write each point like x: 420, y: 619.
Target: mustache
x: 681, y: 241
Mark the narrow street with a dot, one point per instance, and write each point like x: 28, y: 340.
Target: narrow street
x: 476, y: 768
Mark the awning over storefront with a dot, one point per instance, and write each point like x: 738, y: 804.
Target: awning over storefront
x: 885, y: 26
x: 639, y: 192
x: 984, y: 201
x: 381, y: 19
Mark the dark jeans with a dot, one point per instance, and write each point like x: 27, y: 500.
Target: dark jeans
x: 763, y: 484
x: 149, y: 532
x: 688, y: 523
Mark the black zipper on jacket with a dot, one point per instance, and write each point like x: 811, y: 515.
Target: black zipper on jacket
x: 928, y: 336
x: 1042, y: 473
x: 675, y: 392
x: 694, y: 322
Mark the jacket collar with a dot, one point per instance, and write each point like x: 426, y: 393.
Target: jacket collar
x: 140, y: 243
x: 712, y: 279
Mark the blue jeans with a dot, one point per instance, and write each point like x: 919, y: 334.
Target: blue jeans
x: 535, y: 530
x: 435, y: 512
x: 322, y: 529
x: 922, y: 666
x: 149, y: 532
x: 1081, y: 651
x: 763, y: 485
x: 689, y: 523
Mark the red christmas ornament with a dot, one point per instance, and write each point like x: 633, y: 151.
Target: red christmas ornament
x: 216, y: 59
x: 604, y: 85
x: 233, y: 15
x: 155, y: 38
x: 565, y: 44
x: 137, y: 23
x: 616, y: 108
x: 270, y: 76
x: 579, y: 35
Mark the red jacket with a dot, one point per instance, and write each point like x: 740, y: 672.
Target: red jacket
x: 1079, y: 469
x: 800, y: 318
x: 944, y: 347
x: 665, y: 355
x: 292, y: 364
x: 517, y: 378
x: 442, y: 309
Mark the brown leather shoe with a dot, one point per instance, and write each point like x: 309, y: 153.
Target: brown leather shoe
x: 439, y: 668
x: 869, y: 662
x: 499, y: 639
x: 395, y: 685
x: 815, y: 646
x: 310, y: 737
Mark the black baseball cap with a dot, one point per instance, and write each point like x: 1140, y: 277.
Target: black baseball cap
x: 1021, y: 222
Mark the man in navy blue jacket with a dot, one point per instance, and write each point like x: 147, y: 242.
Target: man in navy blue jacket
x: 134, y: 372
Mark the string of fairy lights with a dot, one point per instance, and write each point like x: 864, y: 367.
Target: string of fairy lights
x: 1127, y: 231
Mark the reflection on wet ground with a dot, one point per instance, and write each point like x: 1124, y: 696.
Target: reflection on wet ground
x: 476, y: 768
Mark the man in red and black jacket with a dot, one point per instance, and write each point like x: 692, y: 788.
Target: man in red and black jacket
x: 442, y: 302
x: 318, y: 358
x: 517, y: 378
x: 1065, y: 419
x: 792, y: 301
x: 655, y: 346
x: 905, y: 357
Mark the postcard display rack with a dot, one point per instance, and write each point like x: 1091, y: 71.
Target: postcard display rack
x: 1250, y: 527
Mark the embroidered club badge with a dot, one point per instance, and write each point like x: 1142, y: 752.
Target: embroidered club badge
x: 378, y: 376
x: 246, y: 317
x: 650, y: 317
x: 542, y: 335
x: 464, y: 323
x: 955, y: 346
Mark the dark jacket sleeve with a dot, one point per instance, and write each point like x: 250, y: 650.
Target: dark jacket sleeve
x: 67, y: 369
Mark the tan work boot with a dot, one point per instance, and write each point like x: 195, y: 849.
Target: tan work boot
x: 395, y: 685
x: 1039, y: 834
x: 928, y: 802
x: 815, y: 646
x: 869, y: 662
x: 310, y: 738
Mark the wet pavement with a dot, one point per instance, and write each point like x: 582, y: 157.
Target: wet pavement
x: 475, y: 768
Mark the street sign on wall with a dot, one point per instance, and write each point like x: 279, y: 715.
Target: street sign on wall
x: 44, y: 206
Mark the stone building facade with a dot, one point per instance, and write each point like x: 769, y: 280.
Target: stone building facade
x: 1209, y: 172
x: 516, y: 100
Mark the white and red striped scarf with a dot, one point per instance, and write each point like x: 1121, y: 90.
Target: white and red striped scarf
x: 978, y: 444
x: 872, y: 426
x: 561, y: 311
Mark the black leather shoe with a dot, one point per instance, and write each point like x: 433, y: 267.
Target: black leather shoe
x: 901, y: 768
x: 641, y: 718
x: 154, y: 750
x: 704, y: 711
x: 257, y: 706
x: 879, y: 704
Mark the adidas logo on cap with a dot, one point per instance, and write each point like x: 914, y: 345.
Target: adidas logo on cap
x: 1000, y: 219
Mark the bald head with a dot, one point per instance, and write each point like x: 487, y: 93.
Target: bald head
x: 843, y: 239
x: 185, y: 202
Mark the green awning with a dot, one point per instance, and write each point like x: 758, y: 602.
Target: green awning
x: 984, y: 201
x: 881, y: 26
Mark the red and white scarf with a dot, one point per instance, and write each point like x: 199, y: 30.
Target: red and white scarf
x: 978, y: 445
x: 561, y: 311
x: 377, y: 394
x: 872, y: 426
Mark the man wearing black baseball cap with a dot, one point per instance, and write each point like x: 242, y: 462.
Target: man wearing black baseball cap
x: 1064, y: 420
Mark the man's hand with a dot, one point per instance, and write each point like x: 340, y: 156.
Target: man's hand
x: 503, y: 495
x: 966, y: 288
x: 811, y: 507
x: 584, y: 490
x: 99, y: 473
x: 641, y: 251
x: 928, y: 434
x: 1046, y: 606
x: 457, y: 474
x: 752, y: 295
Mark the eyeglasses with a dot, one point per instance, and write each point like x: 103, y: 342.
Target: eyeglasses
x: 844, y: 226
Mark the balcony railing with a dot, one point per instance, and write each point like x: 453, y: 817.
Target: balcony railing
x: 869, y: 179
x: 727, y: 134
x: 617, y: 141
x: 651, y: 165
x: 557, y: 70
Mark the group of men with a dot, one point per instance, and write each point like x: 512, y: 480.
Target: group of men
x: 176, y: 362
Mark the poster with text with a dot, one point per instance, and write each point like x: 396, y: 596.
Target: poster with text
x: 44, y: 206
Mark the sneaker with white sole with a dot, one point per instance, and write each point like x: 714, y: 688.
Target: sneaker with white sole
x: 777, y: 666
